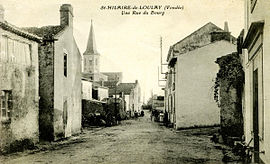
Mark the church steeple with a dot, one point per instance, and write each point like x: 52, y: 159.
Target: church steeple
x: 91, y: 44
x: 91, y: 57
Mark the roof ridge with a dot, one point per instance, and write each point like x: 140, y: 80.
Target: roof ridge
x: 19, y: 31
x: 46, y: 32
x: 207, y: 45
x: 209, y: 23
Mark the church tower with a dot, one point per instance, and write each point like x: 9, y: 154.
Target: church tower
x: 91, y: 57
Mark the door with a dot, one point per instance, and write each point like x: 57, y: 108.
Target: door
x: 257, y: 107
x: 256, y: 116
x: 65, y: 117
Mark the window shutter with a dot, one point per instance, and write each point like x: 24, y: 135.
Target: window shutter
x: 2, y: 104
x: 10, y: 104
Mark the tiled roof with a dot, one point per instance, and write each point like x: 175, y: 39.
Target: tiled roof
x: 46, y: 32
x: 110, y: 84
x: 9, y: 27
x: 87, y: 75
x: 126, y: 87
x: 114, y: 76
x: 196, y: 39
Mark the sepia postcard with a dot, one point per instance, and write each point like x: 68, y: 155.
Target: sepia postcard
x: 134, y: 81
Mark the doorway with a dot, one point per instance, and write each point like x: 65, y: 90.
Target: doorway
x: 256, y: 116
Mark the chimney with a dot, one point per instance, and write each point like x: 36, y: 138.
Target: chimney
x: 66, y: 15
x: 2, y: 13
x: 222, y: 34
x: 226, y: 27
x: 136, y: 81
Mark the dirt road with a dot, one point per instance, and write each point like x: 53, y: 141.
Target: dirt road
x: 133, y: 141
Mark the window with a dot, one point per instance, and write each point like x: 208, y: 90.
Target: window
x: 65, y: 65
x: 252, y: 5
x: 90, y: 62
x: 6, y: 105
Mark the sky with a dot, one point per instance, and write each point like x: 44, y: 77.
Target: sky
x: 130, y: 43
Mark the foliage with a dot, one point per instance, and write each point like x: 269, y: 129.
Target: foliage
x: 230, y: 70
x: 30, y: 70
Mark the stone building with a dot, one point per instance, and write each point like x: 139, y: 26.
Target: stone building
x: 131, y: 93
x: 18, y: 86
x: 59, y: 78
x: 257, y: 82
x: 191, y: 75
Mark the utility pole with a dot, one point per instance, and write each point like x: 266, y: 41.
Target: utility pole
x: 115, y: 97
x: 161, y: 65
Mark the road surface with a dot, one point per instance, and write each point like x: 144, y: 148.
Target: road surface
x: 133, y: 141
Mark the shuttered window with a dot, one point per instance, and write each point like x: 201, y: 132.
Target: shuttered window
x: 6, y: 105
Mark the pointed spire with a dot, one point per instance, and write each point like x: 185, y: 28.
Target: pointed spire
x: 91, y: 44
x: 226, y: 27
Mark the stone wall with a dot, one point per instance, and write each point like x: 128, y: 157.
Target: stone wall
x: 46, y: 91
x: 20, y: 130
x: 89, y: 111
x: 231, y: 118
x: 94, y: 112
x: 228, y: 94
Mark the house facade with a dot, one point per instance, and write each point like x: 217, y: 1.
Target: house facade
x: 18, y: 86
x: 132, y: 97
x: 60, y: 68
x: 130, y: 92
x: 257, y: 88
x: 191, y: 75
x: 135, y: 98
